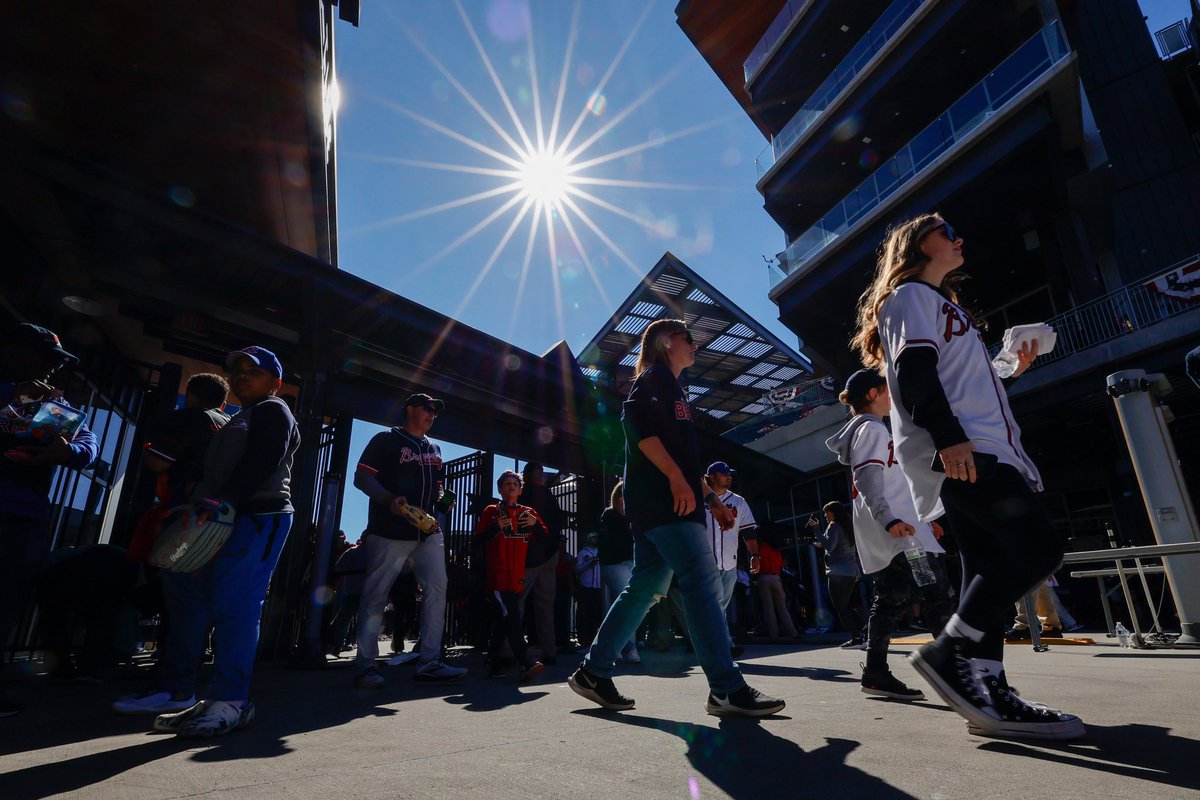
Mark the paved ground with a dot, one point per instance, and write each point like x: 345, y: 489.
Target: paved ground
x: 317, y: 738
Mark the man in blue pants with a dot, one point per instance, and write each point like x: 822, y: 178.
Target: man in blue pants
x: 249, y: 465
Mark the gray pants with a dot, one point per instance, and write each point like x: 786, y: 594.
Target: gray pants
x: 774, y: 607
x: 385, y: 558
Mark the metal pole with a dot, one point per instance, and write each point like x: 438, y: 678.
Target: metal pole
x: 1172, y: 516
x: 311, y: 650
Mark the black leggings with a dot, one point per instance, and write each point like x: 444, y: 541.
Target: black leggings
x: 895, y: 591
x: 841, y: 591
x: 1008, y: 545
x: 506, y: 624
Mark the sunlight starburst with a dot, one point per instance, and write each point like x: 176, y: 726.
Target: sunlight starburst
x: 543, y: 168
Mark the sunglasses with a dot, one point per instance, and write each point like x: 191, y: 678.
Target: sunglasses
x: 431, y: 410
x: 687, y: 336
x: 951, y: 234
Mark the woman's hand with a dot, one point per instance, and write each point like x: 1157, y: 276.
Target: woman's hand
x: 683, y: 498
x: 1025, y: 357
x: 901, y: 529
x: 959, y: 461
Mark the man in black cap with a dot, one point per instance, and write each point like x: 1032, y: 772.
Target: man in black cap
x: 401, y: 471
x: 29, y: 355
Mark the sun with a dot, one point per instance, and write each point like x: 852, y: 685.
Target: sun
x: 545, y: 177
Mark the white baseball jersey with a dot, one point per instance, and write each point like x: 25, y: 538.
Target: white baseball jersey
x: 871, y: 447
x: 918, y: 315
x: 725, y: 543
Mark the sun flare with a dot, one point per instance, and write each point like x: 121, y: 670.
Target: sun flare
x: 545, y: 178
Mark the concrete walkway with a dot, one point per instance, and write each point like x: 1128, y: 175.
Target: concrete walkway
x: 317, y: 738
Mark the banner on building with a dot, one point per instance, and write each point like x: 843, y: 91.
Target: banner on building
x: 1182, y: 284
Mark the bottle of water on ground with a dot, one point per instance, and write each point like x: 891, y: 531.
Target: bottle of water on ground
x: 1124, y: 638
x: 918, y: 562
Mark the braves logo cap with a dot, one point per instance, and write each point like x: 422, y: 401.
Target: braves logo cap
x: 261, y: 356
x: 863, y: 381
x: 42, y: 339
x: 422, y: 399
x: 720, y: 468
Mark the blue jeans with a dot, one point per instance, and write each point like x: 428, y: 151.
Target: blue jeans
x: 226, y: 595
x: 616, y: 578
x: 683, y: 549
x: 728, y: 584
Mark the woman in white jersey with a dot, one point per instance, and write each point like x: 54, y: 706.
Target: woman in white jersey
x: 957, y: 442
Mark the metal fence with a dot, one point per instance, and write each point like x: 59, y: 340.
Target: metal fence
x: 1128, y: 309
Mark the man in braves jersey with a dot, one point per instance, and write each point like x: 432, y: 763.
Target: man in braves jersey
x: 725, y: 529
x: 958, y: 443
x: 402, y: 467
x: 884, y: 523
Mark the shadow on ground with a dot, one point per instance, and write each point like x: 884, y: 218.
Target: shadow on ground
x: 743, y: 758
x: 1146, y: 752
x: 289, y: 703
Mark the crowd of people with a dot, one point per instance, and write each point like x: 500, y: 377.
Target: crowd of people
x: 930, y: 439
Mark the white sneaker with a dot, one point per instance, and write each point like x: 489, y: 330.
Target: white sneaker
x: 438, y: 670
x: 217, y: 718
x: 153, y: 701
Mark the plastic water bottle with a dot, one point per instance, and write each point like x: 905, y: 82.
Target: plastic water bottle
x: 918, y: 562
x: 1123, y: 635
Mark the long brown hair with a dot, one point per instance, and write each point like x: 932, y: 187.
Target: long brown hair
x: 654, y: 342
x: 899, y: 259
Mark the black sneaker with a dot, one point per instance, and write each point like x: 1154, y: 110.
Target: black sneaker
x: 531, y: 672
x: 495, y: 668
x: 600, y: 691
x: 943, y: 663
x: 882, y: 683
x: 1052, y: 633
x: 745, y: 702
x: 1019, y: 719
x: 1018, y: 635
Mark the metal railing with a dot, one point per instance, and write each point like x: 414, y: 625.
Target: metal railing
x: 1117, y: 313
x: 1030, y: 61
x: 778, y: 28
x: 863, y: 52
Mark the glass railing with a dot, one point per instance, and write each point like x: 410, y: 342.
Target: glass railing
x: 846, y: 71
x: 1128, y: 309
x: 1029, y: 62
x: 779, y: 26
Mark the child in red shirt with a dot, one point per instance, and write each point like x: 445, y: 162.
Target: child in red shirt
x: 504, y: 530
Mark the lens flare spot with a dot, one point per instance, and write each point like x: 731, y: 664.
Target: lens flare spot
x: 656, y: 137
x: 585, y: 74
x: 596, y: 104
x: 545, y: 435
x: 693, y: 788
x: 731, y: 157
x: 18, y: 109
x: 512, y: 362
x: 868, y: 159
x: 295, y: 174
x: 182, y: 196
x: 322, y: 595
x: 508, y: 20
x: 847, y: 129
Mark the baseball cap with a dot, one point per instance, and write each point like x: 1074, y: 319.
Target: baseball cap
x: 863, y: 381
x: 422, y: 399
x: 261, y: 356
x: 42, y: 339
x: 719, y: 467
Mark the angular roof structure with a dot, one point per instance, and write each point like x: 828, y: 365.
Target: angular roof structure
x: 737, y: 363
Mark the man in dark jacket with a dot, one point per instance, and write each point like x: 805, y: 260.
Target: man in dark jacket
x: 29, y: 354
x: 401, y: 471
x: 541, y: 560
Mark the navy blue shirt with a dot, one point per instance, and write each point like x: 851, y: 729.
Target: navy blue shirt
x: 407, y: 466
x: 657, y: 406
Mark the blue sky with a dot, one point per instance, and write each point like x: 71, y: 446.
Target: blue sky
x: 415, y: 93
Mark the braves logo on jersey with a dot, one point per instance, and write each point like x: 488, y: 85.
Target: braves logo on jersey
x: 683, y: 410
x: 407, y: 454
x: 957, y: 324
x: 891, y: 452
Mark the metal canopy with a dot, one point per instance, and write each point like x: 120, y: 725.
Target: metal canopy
x: 738, y: 361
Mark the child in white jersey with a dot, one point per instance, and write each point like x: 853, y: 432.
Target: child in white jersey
x: 957, y: 442
x: 885, y: 521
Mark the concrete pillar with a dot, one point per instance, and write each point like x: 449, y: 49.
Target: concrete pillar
x: 1172, y: 516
